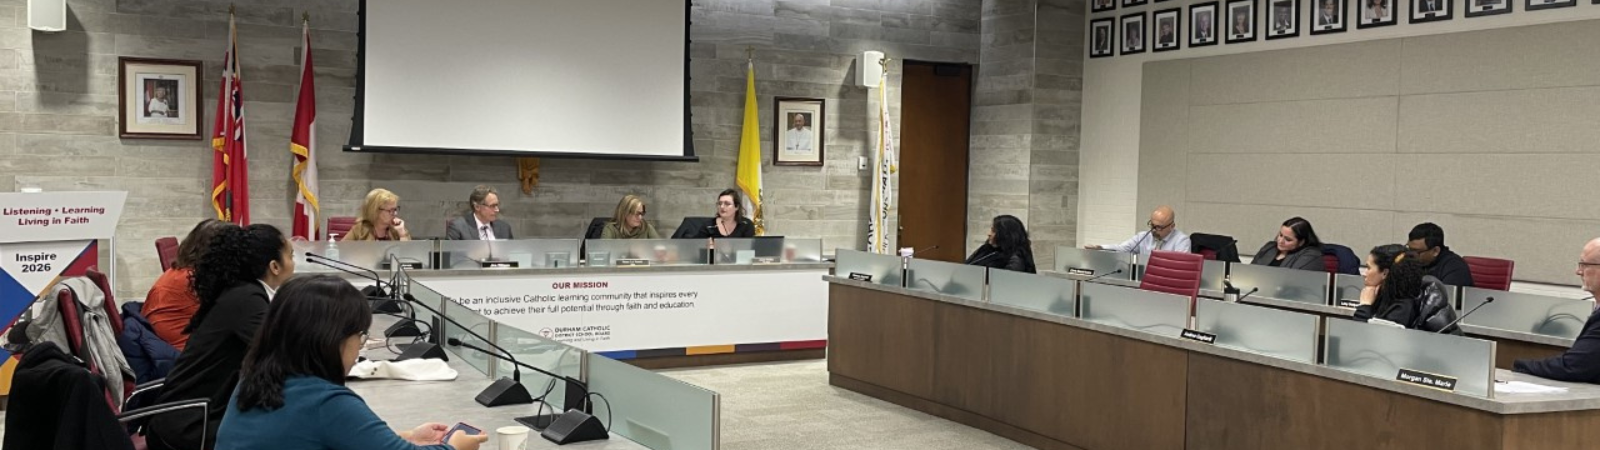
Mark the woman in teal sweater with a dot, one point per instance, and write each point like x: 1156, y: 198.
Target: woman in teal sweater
x: 291, y: 393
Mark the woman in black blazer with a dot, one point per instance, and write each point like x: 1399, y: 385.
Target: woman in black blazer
x: 1296, y: 247
x: 1008, y: 247
x: 234, y: 280
x: 730, y: 220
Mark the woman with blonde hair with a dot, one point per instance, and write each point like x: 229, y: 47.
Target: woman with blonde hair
x: 628, y: 222
x: 380, y: 219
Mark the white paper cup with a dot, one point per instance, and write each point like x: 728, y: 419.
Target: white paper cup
x: 512, y: 437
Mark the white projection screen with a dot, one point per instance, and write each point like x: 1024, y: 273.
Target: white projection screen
x: 576, y: 78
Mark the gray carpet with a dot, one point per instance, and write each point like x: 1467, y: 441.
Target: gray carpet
x: 790, y: 406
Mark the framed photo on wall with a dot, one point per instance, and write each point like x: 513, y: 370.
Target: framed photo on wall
x: 1102, y: 5
x: 1131, y: 3
x: 798, y: 131
x: 1480, y: 8
x: 1133, y: 33
x: 158, y: 98
x: 1168, y: 26
x: 1328, y: 16
x: 1374, y: 13
x: 1535, y: 5
x: 1203, y: 24
x: 1433, y: 10
x: 1102, y: 38
x: 1241, y: 16
x: 1283, y: 19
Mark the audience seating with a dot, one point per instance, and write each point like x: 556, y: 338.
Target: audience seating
x: 167, y: 252
x: 1490, y: 273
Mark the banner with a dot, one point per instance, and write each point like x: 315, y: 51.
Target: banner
x: 48, y: 236
x: 882, y: 179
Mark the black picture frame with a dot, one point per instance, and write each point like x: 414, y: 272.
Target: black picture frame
x: 1323, y: 25
x: 1133, y: 3
x: 1235, y: 8
x: 1480, y: 8
x: 1102, y: 5
x: 812, y: 153
x: 1168, y: 42
x: 1208, y: 11
x: 1109, y: 48
x: 1423, y: 11
x: 1133, y: 25
x: 1552, y: 4
x: 1369, y: 15
x: 1278, y: 10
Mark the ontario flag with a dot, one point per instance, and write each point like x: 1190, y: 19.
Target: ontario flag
x: 230, y: 173
x: 302, y: 140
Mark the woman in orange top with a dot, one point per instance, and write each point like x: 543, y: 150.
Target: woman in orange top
x: 171, y: 301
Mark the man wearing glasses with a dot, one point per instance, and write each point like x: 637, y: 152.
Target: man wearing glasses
x: 483, y: 223
x: 1581, y: 363
x: 1162, y: 235
x: 1426, y: 245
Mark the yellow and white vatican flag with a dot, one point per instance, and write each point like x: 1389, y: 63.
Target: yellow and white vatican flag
x: 885, y: 165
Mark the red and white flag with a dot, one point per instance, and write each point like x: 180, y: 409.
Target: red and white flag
x: 230, y: 173
x: 302, y: 141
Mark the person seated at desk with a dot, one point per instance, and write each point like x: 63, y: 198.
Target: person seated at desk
x: 730, y: 221
x: 483, y: 222
x: 291, y: 392
x: 1008, y: 247
x: 171, y: 302
x: 1296, y: 247
x: 235, y: 281
x: 1393, y: 285
x: 380, y: 219
x: 1581, y: 362
x: 628, y: 222
x: 1163, y: 235
x: 1426, y: 245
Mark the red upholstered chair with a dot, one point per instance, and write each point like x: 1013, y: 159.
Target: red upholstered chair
x: 1173, y: 273
x: 1490, y: 273
x: 1208, y: 254
x: 167, y: 252
x: 338, y: 226
x: 1330, y: 263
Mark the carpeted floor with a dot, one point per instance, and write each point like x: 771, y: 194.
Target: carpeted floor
x: 790, y: 406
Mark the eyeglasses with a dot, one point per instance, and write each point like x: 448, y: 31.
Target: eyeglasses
x: 1153, y: 226
x: 495, y: 206
x: 639, y: 213
x: 1415, y: 252
x: 724, y: 203
x: 396, y: 210
x: 1582, y: 264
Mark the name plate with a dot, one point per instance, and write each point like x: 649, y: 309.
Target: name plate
x: 1427, y: 380
x: 764, y: 260
x: 1077, y: 271
x: 497, y: 264
x: 633, y: 262
x: 1348, y: 303
x: 858, y: 276
x: 408, y: 265
x: 1195, y: 335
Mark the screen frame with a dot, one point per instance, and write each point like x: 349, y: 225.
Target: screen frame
x: 357, y: 136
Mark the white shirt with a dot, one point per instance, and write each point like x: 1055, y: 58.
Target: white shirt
x: 798, y: 140
x: 270, y: 291
x: 157, y: 107
x: 485, y: 230
x: 1142, y: 243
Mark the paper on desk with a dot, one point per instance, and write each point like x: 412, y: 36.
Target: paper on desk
x: 1519, y: 387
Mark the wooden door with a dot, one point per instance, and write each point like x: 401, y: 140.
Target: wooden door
x: 936, y: 112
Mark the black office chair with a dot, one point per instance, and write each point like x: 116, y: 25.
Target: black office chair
x: 595, y: 227
x: 693, y: 227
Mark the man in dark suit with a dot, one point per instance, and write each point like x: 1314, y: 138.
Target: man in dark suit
x: 1429, y: 6
x: 1581, y: 363
x: 483, y: 223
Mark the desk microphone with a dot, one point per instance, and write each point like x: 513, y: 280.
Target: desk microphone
x: 504, y: 391
x: 1247, y: 294
x: 385, y: 290
x: 1103, y: 275
x: 1458, y: 320
x: 918, y: 252
x: 574, y: 425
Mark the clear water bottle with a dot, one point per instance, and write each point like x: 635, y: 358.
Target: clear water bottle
x: 333, y: 249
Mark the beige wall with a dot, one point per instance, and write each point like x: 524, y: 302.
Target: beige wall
x: 1110, y: 155
x: 1492, y: 134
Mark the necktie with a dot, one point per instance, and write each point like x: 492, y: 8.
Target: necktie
x: 1157, y: 244
x: 483, y: 232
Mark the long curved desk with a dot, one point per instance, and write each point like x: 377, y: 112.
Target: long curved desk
x: 1058, y: 382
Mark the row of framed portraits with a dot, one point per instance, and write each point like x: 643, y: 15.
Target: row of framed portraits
x: 1239, y: 18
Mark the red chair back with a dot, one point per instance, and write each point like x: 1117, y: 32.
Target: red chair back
x: 1330, y: 263
x: 1490, y: 273
x: 1173, y: 273
x: 1208, y: 254
x: 167, y: 252
x: 339, y: 226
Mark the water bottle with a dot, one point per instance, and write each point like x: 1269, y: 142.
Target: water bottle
x: 333, y: 249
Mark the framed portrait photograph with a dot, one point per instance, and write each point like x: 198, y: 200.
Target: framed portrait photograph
x: 1375, y: 13
x: 798, y: 131
x: 1133, y: 33
x: 1241, y: 16
x: 1102, y: 38
x: 1130, y: 3
x: 1328, y: 16
x: 1433, y: 10
x: 1168, y: 29
x: 1480, y: 8
x: 1283, y: 19
x: 158, y: 98
x: 1535, y: 5
x: 1203, y: 24
x: 1102, y: 5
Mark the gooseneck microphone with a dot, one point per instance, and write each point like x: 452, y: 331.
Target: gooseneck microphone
x: 504, y: 391
x: 1247, y: 294
x: 577, y: 424
x: 1458, y: 320
x: 386, y: 293
x: 1103, y: 275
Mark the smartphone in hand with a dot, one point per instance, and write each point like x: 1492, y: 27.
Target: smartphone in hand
x: 460, y: 427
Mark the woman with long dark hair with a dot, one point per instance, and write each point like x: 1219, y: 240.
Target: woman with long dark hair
x: 1007, y: 248
x: 1295, y: 247
x: 291, y: 392
x: 234, y: 281
x: 1394, y: 286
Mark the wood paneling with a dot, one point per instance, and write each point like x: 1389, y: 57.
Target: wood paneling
x: 1569, y: 430
x: 723, y: 359
x: 881, y: 338
x: 1508, y: 351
